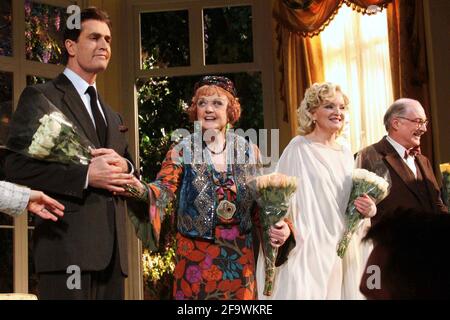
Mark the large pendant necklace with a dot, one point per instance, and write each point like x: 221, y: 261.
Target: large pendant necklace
x: 225, y: 209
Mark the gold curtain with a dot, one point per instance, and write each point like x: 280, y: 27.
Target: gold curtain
x: 308, y: 21
x: 300, y: 66
x: 299, y: 52
x: 408, y: 58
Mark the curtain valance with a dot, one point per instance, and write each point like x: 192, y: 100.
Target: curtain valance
x: 310, y: 17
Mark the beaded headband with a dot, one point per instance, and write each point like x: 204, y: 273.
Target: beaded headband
x: 222, y: 82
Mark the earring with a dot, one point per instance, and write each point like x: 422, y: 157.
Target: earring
x: 314, y: 121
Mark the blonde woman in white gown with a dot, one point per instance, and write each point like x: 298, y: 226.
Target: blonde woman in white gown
x: 324, y: 168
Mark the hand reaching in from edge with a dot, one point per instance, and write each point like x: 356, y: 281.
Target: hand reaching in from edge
x: 44, y: 206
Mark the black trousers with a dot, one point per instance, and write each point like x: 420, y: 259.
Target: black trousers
x: 107, y: 284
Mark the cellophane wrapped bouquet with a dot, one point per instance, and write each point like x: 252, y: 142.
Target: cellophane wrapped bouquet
x: 49, y: 135
x: 445, y: 170
x: 370, y: 177
x: 272, y: 193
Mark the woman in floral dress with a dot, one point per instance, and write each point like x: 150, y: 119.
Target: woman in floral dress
x: 207, y: 173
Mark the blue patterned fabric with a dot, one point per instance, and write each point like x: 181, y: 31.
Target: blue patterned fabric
x: 198, y: 203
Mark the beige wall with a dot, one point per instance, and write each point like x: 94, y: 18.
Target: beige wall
x: 437, y: 25
x: 109, y: 82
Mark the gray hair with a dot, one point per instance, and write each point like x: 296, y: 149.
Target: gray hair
x: 397, y: 109
x: 315, y: 95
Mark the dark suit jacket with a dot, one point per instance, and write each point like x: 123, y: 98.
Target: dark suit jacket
x: 403, y: 193
x: 85, y: 235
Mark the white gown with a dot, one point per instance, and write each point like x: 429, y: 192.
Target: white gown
x: 313, y: 269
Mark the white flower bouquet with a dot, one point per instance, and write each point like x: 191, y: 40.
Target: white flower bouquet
x: 56, y: 139
x: 50, y: 136
x: 445, y: 170
x: 272, y: 193
x: 363, y: 182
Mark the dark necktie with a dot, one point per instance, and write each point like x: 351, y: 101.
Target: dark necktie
x: 100, y: 124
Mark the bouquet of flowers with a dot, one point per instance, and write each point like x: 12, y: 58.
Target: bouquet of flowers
x: 374, y: 183
x: 272, y: 193
x: 445, y: 170
x: 56, y: 140
x: 48, y: 135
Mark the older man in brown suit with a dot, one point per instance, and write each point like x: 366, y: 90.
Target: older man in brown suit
x: 414, y: 185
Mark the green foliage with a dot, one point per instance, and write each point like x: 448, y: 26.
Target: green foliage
x: 158, y: 266
x: 220, y: 46
x: 163, y: 47
x: 161, y: 111
x: 43, y: 36
x: 5, y: 28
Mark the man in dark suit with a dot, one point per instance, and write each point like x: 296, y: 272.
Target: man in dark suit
x: 414, y: 185
x: 91, y: 237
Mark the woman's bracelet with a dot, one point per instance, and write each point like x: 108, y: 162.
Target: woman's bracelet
x: 138, y: 195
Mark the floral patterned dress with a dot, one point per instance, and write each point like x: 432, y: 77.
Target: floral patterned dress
x: 220, y: 269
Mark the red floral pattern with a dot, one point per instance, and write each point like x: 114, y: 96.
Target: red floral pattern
x: 226, y: 270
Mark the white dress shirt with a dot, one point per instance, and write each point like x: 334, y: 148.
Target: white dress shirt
x: 81, y: 86
x: 401, y: 151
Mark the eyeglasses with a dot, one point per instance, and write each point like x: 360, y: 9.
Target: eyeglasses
x: 418, y: 122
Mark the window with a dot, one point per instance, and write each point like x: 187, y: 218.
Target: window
x: 228, y: 35
x: 202, y: 40
x: 43, y: 36
x: 5, y: 28
x: 356, y: 56
x: 164, y: 47
x: 6, y: 94
x: 6, y: 222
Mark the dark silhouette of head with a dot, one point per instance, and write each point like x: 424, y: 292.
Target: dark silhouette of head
x: 411, y: 249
